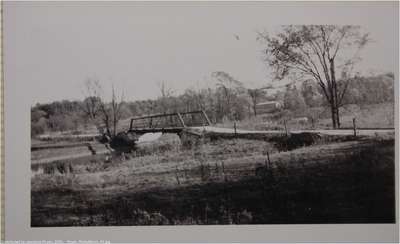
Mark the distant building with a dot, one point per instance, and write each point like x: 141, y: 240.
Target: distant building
x: 268, y: 107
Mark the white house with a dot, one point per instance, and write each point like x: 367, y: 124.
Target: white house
x: 268, y: 107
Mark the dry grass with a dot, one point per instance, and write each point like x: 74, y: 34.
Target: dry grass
x: 220, y: 182
x: 64, y: 151
x: 147, y: 165
x: 367, y: 116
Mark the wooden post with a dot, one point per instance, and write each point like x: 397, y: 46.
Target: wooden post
x: 354, y: 127
x: 91, y: 149
x: 286, y: 131
x: 130, y: 126
x: 177, y: 175
x: 234, y: 127
x: 223, y: 171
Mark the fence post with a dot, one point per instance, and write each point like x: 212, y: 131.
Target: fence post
x: 354, y: 127
x: 177, y: 175
x: 269, y: 161
x: 131, y: 124
x: 286, y: 131
x: 223, y: 171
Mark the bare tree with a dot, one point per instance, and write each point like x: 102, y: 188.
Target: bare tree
x: 230, y: 88
x: 166, y: 93
x: 96, y: 108
x: 116, y: 105
x: 312, y: 50
x: 92, y: 102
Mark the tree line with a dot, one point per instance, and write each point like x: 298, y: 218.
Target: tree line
x: 228, y: 100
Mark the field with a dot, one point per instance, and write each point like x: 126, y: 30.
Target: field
x: 379, y: 115
x: 235, y: 181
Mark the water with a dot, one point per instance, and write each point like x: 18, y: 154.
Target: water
x: 149, y: 137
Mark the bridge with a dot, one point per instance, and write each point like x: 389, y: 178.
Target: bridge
x: 169, y: 123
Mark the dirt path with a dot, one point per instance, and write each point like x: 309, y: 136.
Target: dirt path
x: 361, y: 132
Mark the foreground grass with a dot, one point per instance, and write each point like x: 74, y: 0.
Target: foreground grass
x: 224, y: 182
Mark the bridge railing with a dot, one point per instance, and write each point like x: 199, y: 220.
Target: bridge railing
x: 195, y: 118
x: 170, y: 120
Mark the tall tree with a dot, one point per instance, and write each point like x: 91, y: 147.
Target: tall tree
x: 109, y: 113
x: 92, y: 103
x: 319, y: 52
x: 228, y: 90
x: 116, y: 105
x: 292, y: 99
x: 165, y: 96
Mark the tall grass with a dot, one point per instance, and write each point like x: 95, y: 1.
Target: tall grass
x: 354, y: 186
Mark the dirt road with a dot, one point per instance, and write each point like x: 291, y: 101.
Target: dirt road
x: 344, y: 132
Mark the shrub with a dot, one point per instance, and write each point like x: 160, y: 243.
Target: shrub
x: 244, y: 217
x: 142, y: 217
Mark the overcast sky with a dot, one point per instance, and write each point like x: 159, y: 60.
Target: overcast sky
x: 53, y: 48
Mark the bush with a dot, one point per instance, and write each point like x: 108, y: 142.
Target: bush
x: 142, y: 217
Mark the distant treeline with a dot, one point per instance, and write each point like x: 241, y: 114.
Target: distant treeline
x: 228, y: 100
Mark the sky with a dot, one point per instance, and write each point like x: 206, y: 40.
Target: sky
x: 52, y: 48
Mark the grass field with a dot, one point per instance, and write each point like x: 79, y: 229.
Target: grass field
x: 65, y: 150
x: 220, y: 182
x: 367, y: 116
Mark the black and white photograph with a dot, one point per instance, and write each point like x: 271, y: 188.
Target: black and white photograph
x: 206, y: 114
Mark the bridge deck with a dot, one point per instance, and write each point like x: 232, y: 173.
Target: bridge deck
x: 172, y: 122
x: 156, y: 130
x: 361, y: 131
